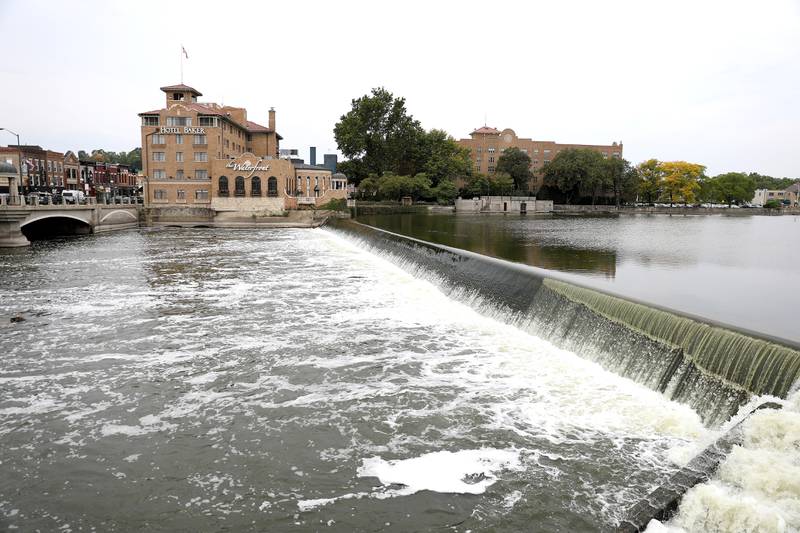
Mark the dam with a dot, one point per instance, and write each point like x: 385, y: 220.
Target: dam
x: 347, y: 378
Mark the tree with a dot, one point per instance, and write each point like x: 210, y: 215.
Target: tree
x: 516, y: 164
x: 501, y: 184
x: 445, y: 192
x: 441, y: 157
x: 651, y: 179
x: 768, y: 182
x: 622, y: 179
x: 735, y: 187
x: 380, y: 134
x: 681, y: 180
x: 572, y: 168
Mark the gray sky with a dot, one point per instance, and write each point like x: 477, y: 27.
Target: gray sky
x: 712, y: 82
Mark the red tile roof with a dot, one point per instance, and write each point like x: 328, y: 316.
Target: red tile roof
x: 181, y: 87
x: 486, y: 129
x: 254, y: 127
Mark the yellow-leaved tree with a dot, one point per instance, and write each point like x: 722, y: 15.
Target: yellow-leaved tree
x: 681, y: 180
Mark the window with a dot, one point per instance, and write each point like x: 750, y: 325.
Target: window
x: 490, y: 150
x: 159, y: 139
x: 546, y: 161
x: 546, y: 151
x: 179, y: 121
x: 615, y: 154
x: 179, y: 174
x: 239, y: 186
x: 207, y: 121
x: 535, y: 150
x: 223, y: 186
x: 255, y: 186
x: 479, y: 149
x: 181, y: 194
x: 272, y: 187
x: 150, y: 120
x: 49, y: 166
x: 201, y: 156
x: 491, y: 160
x: 159, y: 156
x: 200, y: 139
x: 179, y: 157
x: 159, y: 194
x: 201, y: 174
x: 177, y: 96
x: 201, y: 194
x: 491, y: 169
x: 179, y: 139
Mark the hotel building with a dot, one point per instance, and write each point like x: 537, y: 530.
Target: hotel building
x: 487, y: 144
x: 206, y: 155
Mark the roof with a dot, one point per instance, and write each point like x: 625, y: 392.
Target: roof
x: 181, y: 87
x: 339, y: 176
x: 254, y: 127
x: 303, y: 166
x: 7, y: 168
x: 486, y: 129
x: 795, y: 187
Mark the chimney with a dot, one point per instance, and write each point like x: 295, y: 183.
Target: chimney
x: 312, y: 155
x: 272, y: 118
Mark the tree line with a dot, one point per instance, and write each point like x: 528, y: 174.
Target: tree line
x: 133, y: 158
x: 389, y: 156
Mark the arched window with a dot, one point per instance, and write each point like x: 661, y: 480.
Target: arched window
x: 255, y: 186
x: 272, y: 186
x: 223, y: 186
x: 239, y: 186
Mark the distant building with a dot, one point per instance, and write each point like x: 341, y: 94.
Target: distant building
x: 789, y: 196
x: 487, y: 144
x: 42, y: 170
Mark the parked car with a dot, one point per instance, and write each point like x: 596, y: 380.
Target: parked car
x: 44, y: 198
x: 74, y: 197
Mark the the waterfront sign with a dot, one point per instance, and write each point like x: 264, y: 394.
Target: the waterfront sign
x: 185, y: 130
x: 248, y: 167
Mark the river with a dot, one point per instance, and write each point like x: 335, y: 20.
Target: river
x: 288, y: 380
x: 739, y: 270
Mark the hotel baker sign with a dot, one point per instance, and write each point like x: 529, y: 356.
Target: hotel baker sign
x: 185, y: 130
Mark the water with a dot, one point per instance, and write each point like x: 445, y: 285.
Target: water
x: 739, y: 270
x: 287, y: 380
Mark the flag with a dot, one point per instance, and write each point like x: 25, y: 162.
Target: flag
x: 184, y: 52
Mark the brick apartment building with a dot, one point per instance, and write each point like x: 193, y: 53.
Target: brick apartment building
x: 487, y: 144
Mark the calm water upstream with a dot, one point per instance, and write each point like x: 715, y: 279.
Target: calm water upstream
x: 287, y: 380
x: 739, y: 270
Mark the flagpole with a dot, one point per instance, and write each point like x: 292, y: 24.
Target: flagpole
x: 181, y: 64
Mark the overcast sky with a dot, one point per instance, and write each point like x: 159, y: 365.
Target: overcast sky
x: 716, y: 83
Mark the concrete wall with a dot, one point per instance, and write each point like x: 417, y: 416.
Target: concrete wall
x: 503, y: 204
x: 247, y: 206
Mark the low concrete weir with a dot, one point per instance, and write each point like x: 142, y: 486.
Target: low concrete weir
x: 712, y: 367
x: 662, y: 503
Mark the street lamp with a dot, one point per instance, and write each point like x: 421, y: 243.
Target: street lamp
x: 19, y: 151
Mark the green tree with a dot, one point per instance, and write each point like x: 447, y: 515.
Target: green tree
x: 768, y: 182
x: 380, y: 134
x: 442, y: 158
x: 651, y: 179
x: 572, y: 169
x: 445, y: 192
x: 501, y: 184
x: 516, y: 164
x: 735, y: 187
x: 620, y: 177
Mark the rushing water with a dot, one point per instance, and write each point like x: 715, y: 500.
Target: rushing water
x: 287, y: 380
x: 740, y: 270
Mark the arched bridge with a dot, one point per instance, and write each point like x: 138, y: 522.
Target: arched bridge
x: 19, y: 224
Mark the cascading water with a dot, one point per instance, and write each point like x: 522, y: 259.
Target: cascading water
x: 710, y: 367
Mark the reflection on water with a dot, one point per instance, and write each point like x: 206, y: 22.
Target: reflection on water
x: 738, y: 270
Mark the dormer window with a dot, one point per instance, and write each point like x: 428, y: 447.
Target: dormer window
x: 177, y: 96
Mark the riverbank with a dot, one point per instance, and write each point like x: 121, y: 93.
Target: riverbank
x: 612, y: 210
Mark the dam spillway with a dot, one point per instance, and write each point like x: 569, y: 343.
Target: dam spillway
x: 711, y: 367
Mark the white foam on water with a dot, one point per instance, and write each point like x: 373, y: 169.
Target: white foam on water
x: 461, y: 472
x: 756, y: 488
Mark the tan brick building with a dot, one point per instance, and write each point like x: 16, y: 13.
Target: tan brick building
x: 487, y: 144
x: 208, y: 155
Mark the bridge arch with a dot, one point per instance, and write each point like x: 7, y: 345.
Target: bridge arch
x: 54, y: 225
